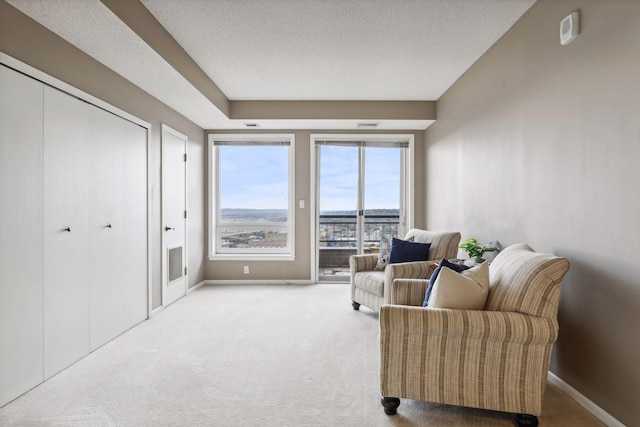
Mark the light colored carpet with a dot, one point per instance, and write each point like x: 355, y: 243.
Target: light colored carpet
x: 247, y: 356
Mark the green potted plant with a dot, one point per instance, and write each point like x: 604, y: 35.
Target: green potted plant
x: 475, y: 250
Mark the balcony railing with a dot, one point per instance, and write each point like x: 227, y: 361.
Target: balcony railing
x: 338, y: 240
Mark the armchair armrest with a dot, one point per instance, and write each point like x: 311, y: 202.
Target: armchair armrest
x: 468, y: 325
x: 365, y: 262
x: 405, y: 270
x: 409, y: 270
x: 409, y: 291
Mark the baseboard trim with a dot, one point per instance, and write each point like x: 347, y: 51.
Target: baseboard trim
x: 199, y: 285
x: 587, y: 404
x: 155, y: 311
x: 258, y: 282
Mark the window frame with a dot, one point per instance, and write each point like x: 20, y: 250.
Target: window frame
x: 407, y: 216
x: 215, y: 251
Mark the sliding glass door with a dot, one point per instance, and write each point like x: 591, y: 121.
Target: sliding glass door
x: 361, y: 194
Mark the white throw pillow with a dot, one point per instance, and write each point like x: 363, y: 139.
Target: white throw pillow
x: 464, y: 291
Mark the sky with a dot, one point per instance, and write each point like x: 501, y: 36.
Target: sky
x: 256, y: 178
x: 339, y: 178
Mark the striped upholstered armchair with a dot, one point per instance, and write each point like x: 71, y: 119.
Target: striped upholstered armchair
x: 495, y: 359
x: 372, y: 288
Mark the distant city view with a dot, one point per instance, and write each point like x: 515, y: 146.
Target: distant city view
x: 253, y: 215
x: 337, y: 228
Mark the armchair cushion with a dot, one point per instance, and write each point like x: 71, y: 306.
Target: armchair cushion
x: 408, y: 251
x: 466, y: 290
x: 372, y: 282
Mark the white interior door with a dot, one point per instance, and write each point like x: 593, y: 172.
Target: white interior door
x: 174, y: 215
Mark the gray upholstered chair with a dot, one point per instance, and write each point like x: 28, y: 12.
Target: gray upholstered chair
x: 372, y: 288
x: 495, y: 359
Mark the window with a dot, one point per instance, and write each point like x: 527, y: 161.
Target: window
x: 364, y: 189
x: 251, y: 197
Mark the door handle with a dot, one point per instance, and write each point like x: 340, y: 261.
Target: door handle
x: 167, y: 228
x: 108, y: 226
x: 68, y: 229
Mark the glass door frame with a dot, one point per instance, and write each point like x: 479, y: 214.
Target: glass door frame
x: 406, y: 197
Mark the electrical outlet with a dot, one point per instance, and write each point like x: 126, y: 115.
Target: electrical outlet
x: 246, y: 269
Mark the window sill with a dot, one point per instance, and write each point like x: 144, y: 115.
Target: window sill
x: 252, y: 257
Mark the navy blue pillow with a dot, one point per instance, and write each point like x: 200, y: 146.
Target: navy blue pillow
x: 458, y: 268
x: 406, y: 251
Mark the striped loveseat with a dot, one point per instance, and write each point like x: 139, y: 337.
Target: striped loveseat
x: 372, y: 288
x: 494, y: 359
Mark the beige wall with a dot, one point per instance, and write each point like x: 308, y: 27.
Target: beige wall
x: 29, y: 42
x: 300, y: 269
x: 539, y: 143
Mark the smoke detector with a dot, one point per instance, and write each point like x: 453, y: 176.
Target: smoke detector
x: 569, y: 28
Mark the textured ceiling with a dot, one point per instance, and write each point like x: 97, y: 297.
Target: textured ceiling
x: 312, y: 50
x: 336, y: 50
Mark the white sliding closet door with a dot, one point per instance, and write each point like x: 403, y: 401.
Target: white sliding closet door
x: 66, y: 242
x: 117, y: 226
x: 21, y: 348
x: 73, y: 229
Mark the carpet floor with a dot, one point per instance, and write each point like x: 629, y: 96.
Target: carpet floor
x: 248, y: 356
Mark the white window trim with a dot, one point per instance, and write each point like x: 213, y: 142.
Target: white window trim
x: 213, y: 200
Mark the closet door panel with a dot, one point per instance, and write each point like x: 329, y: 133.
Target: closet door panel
x: 105, y: 228
x: 21, y: 243
x: 133, y: 257
x: 66, y: 249
x: 117, y: 227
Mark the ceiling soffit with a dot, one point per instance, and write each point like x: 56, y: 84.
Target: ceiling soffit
x: 291, y: 63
